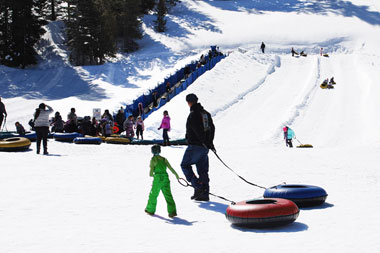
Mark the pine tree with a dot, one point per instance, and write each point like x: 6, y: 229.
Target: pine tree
x: 54, y: 9
x: 173, y: 2
x: 4, y: 31
x: 88, y: 37
x: 129, y: 24
x: 53, y: 12
x: 161, y: 10
x: 22, y: 30
x: 147, y: 5
x: 42, y: 8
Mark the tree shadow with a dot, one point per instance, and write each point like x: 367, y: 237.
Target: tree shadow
x: 343, y: 8
x: 47, y: 84
x: 181, y: 17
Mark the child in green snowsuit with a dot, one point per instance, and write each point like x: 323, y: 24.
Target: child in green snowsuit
x: 161, y: 182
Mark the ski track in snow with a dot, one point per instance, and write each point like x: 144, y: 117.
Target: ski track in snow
x: 271, y: 69
x: 297, y: 110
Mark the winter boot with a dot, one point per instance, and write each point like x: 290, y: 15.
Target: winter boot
x: 171, y: 215
x: 203, y: 195
x: 197, y: 193
x: 202, y: 198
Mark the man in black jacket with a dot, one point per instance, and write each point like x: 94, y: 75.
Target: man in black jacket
x: 200, y: 131
x: 3, y: 113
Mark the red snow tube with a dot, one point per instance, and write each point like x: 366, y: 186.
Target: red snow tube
x: 262, y: 213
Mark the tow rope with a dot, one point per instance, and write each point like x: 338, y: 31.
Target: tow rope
x: 242, y: 178
x: 184, y: 183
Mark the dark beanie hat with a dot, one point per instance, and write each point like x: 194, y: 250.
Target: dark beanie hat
x: 192, y: 98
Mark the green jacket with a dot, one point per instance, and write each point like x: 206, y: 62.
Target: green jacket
x: 158, y: 165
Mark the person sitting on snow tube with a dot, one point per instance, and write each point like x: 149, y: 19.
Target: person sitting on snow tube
x: 325, y: 83
x: 19, y: 128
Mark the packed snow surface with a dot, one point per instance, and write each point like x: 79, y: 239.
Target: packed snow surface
x: 84, y: 198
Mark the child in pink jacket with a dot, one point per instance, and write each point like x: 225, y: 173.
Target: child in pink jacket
x: 165, y: 125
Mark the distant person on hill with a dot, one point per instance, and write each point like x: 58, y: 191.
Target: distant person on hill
x: 19, y: 128
x: 332, y: 81
x: 128, y: 127
x: 262, y: 47
x: 155, y: 99
x: 285, y: 129
x: 289, y: 136
x: 120, y: 118
x: 94, y: 129
x: 3, y: 113
x: 139, y: 126
x: 41, y: 124
x: 167, y: 88
x: 187, y: 71
x: 107, y: 116
x: 293, y: 52
x: 165, y: 125
x: 161, y: 182
x: 202, y: 60
x: 85, y: 126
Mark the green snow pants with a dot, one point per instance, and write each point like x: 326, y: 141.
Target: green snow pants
x: 161, y: 182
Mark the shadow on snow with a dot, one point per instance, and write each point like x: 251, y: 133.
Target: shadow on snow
x: 293, y: 227
x: 47, y: 84
x: 343, y: 8
x: 175, y: 220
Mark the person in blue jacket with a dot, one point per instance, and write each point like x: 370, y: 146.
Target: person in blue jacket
x: 289, y: 136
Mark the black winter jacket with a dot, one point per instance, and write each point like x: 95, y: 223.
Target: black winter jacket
x: 2, y: 109
x: 199, y: 127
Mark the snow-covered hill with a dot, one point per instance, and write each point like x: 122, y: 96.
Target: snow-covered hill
x: 91, y: 198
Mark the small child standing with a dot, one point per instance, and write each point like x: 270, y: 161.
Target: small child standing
x: 139, y: 127
x: 165, y: 125
x: 128, y: 127
x: 161, y: 182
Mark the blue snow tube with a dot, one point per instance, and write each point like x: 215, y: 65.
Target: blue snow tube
x: 31, y: 136
x: 302, y: 195
x: 88, y: 140
x: 66, y: 137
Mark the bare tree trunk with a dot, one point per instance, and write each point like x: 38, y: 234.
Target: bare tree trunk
x: 53, y: 16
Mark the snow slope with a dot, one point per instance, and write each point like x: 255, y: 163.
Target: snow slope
x: 91, y: 198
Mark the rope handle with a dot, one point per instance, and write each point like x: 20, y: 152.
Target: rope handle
x: 183, y: 182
